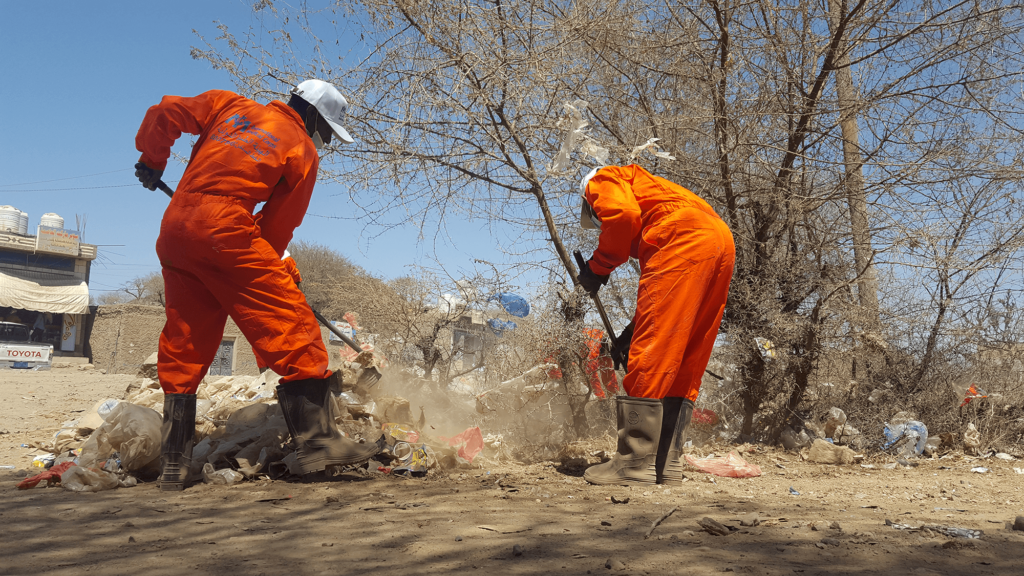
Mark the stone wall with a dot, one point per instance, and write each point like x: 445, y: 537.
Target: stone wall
x: 124, y: 335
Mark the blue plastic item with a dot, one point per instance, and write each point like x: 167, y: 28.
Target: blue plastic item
x: 514, y: 304
x: 894, y: 434
x: 498, y: 326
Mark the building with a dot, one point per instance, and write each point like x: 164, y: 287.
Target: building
x: 44, y: 280
x: 123, y: 336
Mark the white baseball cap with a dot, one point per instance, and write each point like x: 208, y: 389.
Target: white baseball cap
x: 328, y: 102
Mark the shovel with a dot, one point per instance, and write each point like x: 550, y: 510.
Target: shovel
x: 371, y: 371
x: 597, y: 300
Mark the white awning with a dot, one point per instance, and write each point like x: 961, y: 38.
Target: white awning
x: 55, y: 295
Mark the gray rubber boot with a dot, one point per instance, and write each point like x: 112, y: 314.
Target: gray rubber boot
x: 177, y: 436
x: 308, y: 410
x: 675, y: 420
x: 639, y: 425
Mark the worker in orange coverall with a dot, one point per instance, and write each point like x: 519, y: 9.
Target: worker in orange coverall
x: 221, y: 258
x: 686, y: 255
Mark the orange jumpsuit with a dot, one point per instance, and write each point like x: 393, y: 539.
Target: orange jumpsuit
x: 219, y: 258
x: 686, y: 255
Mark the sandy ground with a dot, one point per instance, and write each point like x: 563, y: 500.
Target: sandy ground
x: 471, y: 521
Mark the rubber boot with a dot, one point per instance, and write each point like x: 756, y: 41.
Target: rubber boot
x: 177, y: 436
x: 308, y: 410
x: 639, y: 424
x: 676, y: 414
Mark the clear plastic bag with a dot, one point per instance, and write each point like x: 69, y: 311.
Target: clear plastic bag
x: 83, y: 479
x: 225, y: 476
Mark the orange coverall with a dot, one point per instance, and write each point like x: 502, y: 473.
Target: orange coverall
x: 686, y: 255
x: 219, y: 258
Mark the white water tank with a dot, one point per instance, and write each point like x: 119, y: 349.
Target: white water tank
x: 23, y: 224
x: 52, y: 220
x: 10, y: 219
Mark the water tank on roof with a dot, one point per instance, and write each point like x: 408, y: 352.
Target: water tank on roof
x: 23, y: 223
x: 52, y: 220
x: 10, y: 219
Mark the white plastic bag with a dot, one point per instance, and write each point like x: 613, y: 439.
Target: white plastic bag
x: 131, y: 430
x: 82, y: 479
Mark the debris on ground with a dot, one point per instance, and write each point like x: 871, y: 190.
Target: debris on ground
x: 823, y: 452
x: 950, y: 531
x: 730, y: 466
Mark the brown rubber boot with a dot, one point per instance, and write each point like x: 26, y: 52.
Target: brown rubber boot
x: 177, y: 436
x: 639, y: 424
x: 676, y: 414
x: 308, y: 410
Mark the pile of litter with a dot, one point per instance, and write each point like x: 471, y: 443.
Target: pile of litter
x: 240, y: 433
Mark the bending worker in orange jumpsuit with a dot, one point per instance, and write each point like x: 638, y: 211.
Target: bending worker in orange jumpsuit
x: 220, y: 259
x: 686, y: 255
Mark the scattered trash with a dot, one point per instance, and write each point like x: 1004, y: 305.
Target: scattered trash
x: 7, y: 467
x: 401, y: 432
x: 1019, y: 470
x: 972, y: 393
x: 731, y: 466
x: 823, y: 452
x: 835, y: 422
x: 951, y: 531
x: 619, y: 500
x: 469, y: 443
x: 908, y: 436
x: 224, y: 476
x: 43, y: 461
x: 793, y: 492
x: 766, y: 347
x: 1005, y: 456
x: 979, y: 469
x: 413, y: 461
x: 791, y: 440
x: 932, y: 445
x: 972, y: 440
x: 52, y: 477
x: 133, y: 432
x: 89, y: 479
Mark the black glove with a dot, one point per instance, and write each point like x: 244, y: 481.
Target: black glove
x: 620, y: 348
x: 148, y: 176
x: 590, y: 281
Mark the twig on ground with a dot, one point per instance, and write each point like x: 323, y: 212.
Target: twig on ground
x: 659, y: 521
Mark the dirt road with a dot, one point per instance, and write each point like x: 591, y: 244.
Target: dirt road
x: 470, y: 521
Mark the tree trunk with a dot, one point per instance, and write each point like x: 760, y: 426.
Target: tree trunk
x: 867, y: 284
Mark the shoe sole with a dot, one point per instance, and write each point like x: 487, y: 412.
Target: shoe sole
x: 623, y: 481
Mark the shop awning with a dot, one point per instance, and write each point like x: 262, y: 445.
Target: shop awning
x: 55, y: 295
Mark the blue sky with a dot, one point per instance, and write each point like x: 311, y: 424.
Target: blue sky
x: 77, y: 79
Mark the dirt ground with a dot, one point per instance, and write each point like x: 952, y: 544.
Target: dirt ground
x: 475, y: 521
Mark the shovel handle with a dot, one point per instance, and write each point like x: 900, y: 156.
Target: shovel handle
x: 344, y: 337
x: 597, y: 300
x: 165, y: 188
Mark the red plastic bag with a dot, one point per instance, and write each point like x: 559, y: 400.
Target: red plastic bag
x: 730, y: 466
x: 470, y: 443
x: 52, y: 476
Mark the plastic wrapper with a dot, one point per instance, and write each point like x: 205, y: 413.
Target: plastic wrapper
x: 226, y: 476
x: 469, y: 443
x: 87, y: 479
x: 909, y: 437
x: 730, y: 466
x: 132, y: 431
x: 972, y: 439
